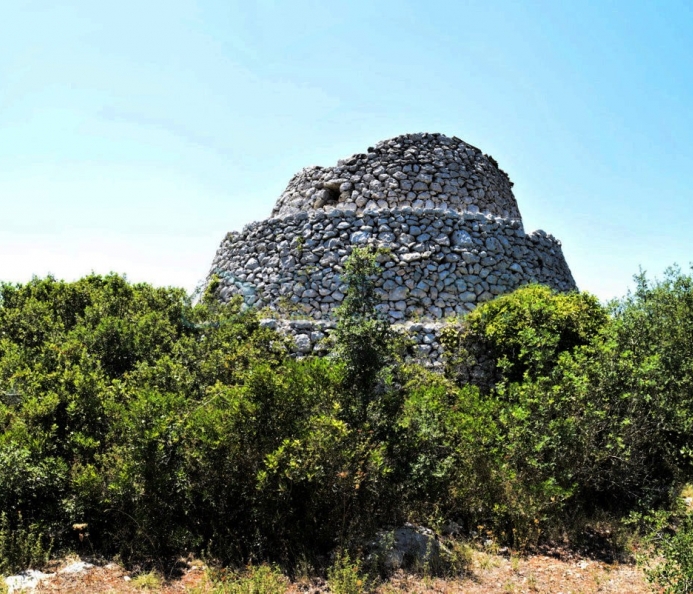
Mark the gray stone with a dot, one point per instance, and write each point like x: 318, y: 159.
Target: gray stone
x: 461, y: 238
x: 26, y: 581
x: 303, y: 343
x: 398, y: 294
x: 412, y: 257
x: 442, y: 239
x: 407, y: 546
x: 360, y: 237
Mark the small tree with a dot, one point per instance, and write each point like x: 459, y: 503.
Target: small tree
x: 365, y: 341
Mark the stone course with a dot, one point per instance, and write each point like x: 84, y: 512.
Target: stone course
x: 313, y: 336
x: 444, y: 213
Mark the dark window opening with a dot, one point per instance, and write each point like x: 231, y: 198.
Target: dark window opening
x: 331, y: 195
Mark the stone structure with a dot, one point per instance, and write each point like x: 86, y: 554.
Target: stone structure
x: 444, y: 210
x: 423, y: 171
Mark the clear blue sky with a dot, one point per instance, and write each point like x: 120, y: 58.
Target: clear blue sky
x: 134, y: 135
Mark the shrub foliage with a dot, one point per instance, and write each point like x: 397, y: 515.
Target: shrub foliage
x: 169, y: 427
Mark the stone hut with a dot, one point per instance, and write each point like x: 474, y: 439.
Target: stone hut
x: 446, y: 212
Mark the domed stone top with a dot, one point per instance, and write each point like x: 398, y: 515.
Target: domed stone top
x: 415, y: 170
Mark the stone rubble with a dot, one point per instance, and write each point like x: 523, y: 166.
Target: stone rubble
x: 28, y: 580
x: 25, y: 581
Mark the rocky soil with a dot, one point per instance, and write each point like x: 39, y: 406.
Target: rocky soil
x: 489, y: 574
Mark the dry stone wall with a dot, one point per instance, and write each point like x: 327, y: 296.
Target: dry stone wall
x: 313, y: 337
x: 417, y: 170
x: 450, y: 243
x: 440, y: 263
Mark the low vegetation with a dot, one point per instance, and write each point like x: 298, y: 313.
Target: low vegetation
x: 136, y: 423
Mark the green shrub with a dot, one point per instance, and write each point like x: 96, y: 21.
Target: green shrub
x: 344, y: 576
x: 457, y: 558
x: 105, y: 378
x: 654, y: 330
x: 525, y: 332
x: 171, y: 428
x: 365, y: 342
x: 675, y: 573
x: 261, y: 579
x: 591, y: 405
x: 447, y: 462
x: 147, y: 581
x: 21, y: 546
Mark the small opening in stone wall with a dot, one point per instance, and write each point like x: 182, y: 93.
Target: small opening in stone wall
x: 328, y: 195
x: 331, y: 195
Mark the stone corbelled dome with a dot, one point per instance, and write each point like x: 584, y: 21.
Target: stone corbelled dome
x: 444, y: 211
x: 417, y: 170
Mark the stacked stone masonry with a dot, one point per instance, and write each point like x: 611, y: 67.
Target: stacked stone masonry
x: 443, y: 210
x: 417, y: 170
x: 313, y: 337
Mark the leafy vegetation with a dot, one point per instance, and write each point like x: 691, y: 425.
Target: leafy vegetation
x: 21, y: 546
x: 345, y: 576
x: 169, y: 427
x: 673, y: 539
x: 147, y: 581
x: 260, y: 579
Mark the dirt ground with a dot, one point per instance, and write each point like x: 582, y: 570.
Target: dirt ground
x: 534, y: 574
x: 489, y: 574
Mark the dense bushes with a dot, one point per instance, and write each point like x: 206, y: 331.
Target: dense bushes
x: 105, y: 389
x: 168, y: 427
x: 593, y: 404
x: 526, y: 331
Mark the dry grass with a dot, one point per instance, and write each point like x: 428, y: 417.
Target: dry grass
x: 489, y: 574
x: 114, y: 579
x: 538, y: 574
